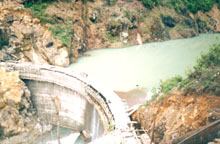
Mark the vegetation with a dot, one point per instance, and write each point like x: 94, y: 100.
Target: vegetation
x: 206, y: 75
x: 59, y: 30
x: 196, y: 5
x: 62, y: 33
x: 205, y: 78
x: 150, y: 3
x: 166, y: 86
x: 191, y: 5
x: 38, y: 10
x: 112, y: 38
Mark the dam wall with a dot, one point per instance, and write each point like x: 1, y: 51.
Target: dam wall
x: 64, y: 96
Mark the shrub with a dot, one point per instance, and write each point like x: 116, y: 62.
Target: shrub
x: 166, y: 86
x: 195, y: 5
x: 191, y: 5
x: 169, y: 84
x: 150, y: 3
x: 176, y: 4
x: 62, y: 33
x: 206, y: 75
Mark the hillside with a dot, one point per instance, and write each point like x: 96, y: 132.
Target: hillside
x: 79, y: 26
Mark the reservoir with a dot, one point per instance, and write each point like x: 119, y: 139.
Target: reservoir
x: 143, y: 66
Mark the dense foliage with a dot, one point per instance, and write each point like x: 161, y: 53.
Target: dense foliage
x: 195, y: 5
x: 191, y: 5
x: 205, y: 78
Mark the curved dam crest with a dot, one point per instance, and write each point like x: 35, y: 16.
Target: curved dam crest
x: 80, y: 98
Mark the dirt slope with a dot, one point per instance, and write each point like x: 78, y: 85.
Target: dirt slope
x: 178, y: 116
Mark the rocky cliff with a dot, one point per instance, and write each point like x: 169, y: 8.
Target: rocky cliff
x: 24, y: 39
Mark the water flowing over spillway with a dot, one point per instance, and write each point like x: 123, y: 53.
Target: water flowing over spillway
x: 144, y: 65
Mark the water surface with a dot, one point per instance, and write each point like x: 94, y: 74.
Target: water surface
x: 143, y: 66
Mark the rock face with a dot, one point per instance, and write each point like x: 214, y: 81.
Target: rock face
x: 15, y: 104
x: 119, y: 24
x: 178, y: 116
x: 23, y: 38
x: 18, y: 119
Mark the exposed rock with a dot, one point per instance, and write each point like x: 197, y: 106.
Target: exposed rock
x: 178, y: 116
x: 18, y: 118
x: 9, y: 18
x: 25, y: 39
x: 15, y: 104
x: 124, y: 37
x: 11, y: 122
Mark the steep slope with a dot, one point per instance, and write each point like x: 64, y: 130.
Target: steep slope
x: 87, y: 25
x: 178, y: 116
x: 23, y: 38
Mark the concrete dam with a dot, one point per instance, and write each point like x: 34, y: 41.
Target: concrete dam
x: 82, y: 104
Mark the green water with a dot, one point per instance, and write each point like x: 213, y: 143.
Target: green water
x: 124, y: 68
